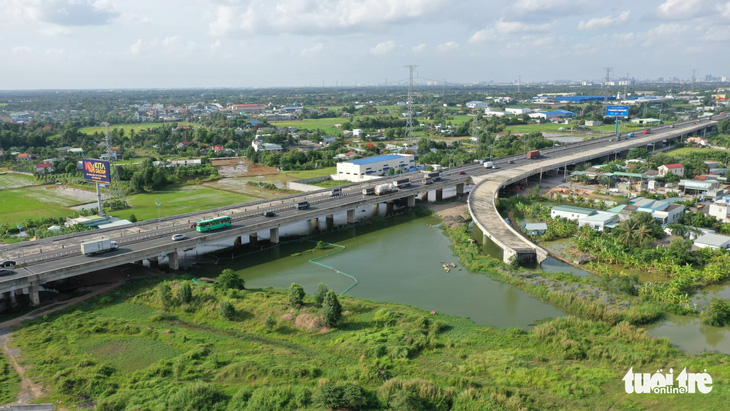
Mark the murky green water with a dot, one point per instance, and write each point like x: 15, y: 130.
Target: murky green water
x: 690, y: 335
x: 399, y: 261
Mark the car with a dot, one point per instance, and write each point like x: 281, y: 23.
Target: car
x: 179, y: 237
x: 461, y: 173
x: 511, y: 162
x: 610, y: 139
x: 269, y: 214
x: 193, y: 225
x: 7, y: 263
x: 671, y: 126
x: 647, y: 131
x: 4, y: 272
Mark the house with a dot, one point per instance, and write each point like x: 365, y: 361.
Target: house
x: 713, y: 241
x: 183, y: 144
x: 218, y: 149
x: 593, y: 123
x: 676, y: 169
x: 600, y: 220
x: 79, y: 151
x: 44, y: 168
x: 571, y: 212
x: 26, y: 157
x: 696, y: 140
x: 517, y: 110
x: 535, y: 228
x: 488, y: 112
x: 720, y: 210
x: 477, y: 104
x: 267, y: 147
x: 347, y: 156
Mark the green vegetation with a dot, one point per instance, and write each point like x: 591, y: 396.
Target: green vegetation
x: 20, y: 204
x: 306, y: 174
x: 9, y: 381
x: 127, y: 128
x: 127, y: 350
x: 13, y: 180
x: 717, y: 313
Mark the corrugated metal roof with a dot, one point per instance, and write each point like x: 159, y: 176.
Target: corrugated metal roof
x: 376, y: 159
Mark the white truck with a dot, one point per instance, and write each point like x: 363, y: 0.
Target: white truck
x: 383, y: 189
x: 489, y: 164
x: 403, y: 182
x: 98, y: 246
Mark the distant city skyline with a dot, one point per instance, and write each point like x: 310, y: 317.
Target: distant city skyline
x: 99, y: 44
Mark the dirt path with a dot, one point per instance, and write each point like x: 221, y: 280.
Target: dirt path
x: 29, y: 391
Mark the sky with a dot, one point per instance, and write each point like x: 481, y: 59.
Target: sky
x: 112, y: 44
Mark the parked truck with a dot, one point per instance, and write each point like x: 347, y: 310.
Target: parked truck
x: 98, y: 246
x: 403, y: 182
x: 533, y: 154
x: 381, y: 189
x: 368, y: 191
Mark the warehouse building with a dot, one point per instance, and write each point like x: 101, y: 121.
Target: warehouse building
x: 356, y: 170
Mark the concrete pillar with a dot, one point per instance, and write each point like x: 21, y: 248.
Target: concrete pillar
x: 35, y: 298
x: 350, y: 216
x: 154, y: 262
x: 376, y: 207
x: 389, y: 208
x: 274, y: 235
x: 330, y: 220
x: 411, y: 201
x: 314, y: 225
x: 253, y: 239
x: 237, y: 242
x: 439, y: 194
x: 172, y: 258
x: 460, y: 189
x: 139, y: 262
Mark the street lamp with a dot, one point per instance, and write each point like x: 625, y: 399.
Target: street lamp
x: 158, y: 209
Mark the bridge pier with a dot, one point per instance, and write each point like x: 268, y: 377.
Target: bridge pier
x: 274, y: 235
x: 330, y: 222
x: 459, y: 189
x: 411, y: 201
x: 439, y: 195
x: 314, y: 225
x: 253, y: 240
x: 350, y: 216
x: 154, y: 262
x: 10, y: 299
x: 237, y: 241
x: 389, y: 208
x: 375, y: 208
x: 173, y: 260
x: 35, y: 298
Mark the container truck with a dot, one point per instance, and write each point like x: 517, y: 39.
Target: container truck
x: 427, y: 180
x: 533, y: 154
x: 368, y: 191
x: 403, y: 182
x: 98, y: 246
x: 381, y: 189
x: 433, y: 175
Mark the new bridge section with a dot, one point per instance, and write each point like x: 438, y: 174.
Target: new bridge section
x: 482, y: 199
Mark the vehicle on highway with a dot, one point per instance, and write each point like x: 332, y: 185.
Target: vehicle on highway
x: 511, y: 162
x: 4, y: 272
x: 630, y: 135
x: 647, y: 131
x: 533, y: 154
x: 461, y: 173
x: 98, y: 246
x: 179, y: 237
x: 269, y: 214
x: 213, y: 224
x: 302, y: 205
x: 336, y: 192
x: 7, y: 263
x: 671, y: 126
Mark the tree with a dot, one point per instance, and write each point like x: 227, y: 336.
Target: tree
x: 165, y: 294
x: 331, y: 309
x: 132, y: 218
x: 717, y: 313
x: 321, y: 293
x: 185, y: 293
x: 228, y: 311
x: 296, y: 295
x: 230, y: 280
x: 270, y: 322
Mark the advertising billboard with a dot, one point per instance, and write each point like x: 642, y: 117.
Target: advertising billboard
x: 97, y: 171
x: 617, y: 111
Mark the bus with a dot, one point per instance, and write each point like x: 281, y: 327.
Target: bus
x: 213, y: 224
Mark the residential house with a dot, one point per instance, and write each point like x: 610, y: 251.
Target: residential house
x: 26, y: 157
x: 517, y: 110
x: 535, y: 228
x: 477, y: 104
x: 720, y: 210
x: 571, y: 212
x: 676, y: 169
x: 600, y: 220
x: 713, y: 241
x: 696, y: 140
x: 44, y: 168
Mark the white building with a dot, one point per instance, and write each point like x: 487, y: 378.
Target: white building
x: 720, y: 211
x: 600, y: 220
x: 571, y: 212
x: 493, y: 113
x: 676, y: 169
x: 713, y: 241
x: 354, y: 170
x: 517, y: 110
x: 477, y: 104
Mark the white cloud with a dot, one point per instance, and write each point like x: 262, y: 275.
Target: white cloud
x: 136, y: 48
x: 62, y: 12
x: 314, y: 50
x: 22, y: 50
x: 223, y: 23
x: 383, y: 48
x: 56, y: 31
x: 448, y: 46
x: 601, y: 23
x: 551, y: 8
x: 54, y: 52
x: 421, y: 48
x: 483, y: 36
x: 683, y: 9
x: 515, y: 27
x: 216, y: 45
x: 719, y: 33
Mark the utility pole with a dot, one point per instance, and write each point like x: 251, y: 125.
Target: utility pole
x: 605, y: 84
x: 409, y: 123
x: 694, y: 74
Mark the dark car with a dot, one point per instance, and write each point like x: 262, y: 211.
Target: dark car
x: 7, y: 263
x: 269, y: 214
x: 4, y: 272
x: 461, y: 173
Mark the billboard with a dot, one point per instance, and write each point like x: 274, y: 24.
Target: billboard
x: 97, y: 171
x: 617, y: 111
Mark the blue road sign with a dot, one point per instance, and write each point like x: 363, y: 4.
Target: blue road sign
x: 617, y: 111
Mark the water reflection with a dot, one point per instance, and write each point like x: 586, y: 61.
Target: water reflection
x: 690, y: 335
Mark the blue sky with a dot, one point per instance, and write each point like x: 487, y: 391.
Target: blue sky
x: 71, y: 44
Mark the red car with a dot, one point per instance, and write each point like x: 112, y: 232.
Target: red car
x: 647, y: 131
x: 461, y: 172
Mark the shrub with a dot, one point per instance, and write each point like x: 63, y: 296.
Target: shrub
x: 165, y: 294
x: 280, y: 398
x: 331, y: 309
x: 185, y: 293
x: 332, y: 396
x: 413, y: 394
x: 296, y: 295
x: 270, y: 322
x: 321, y: 292
x: 228, y: 311
x: 229, y: 280
x: 197, y: 396
x: 717, y: 313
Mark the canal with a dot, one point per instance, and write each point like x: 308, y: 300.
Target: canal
x: 400, y: 260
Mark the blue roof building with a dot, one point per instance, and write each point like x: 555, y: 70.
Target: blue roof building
x: 356, y: 170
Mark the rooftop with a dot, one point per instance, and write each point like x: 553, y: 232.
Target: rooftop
x: 573, y: 209
x: 370, y: 160
x: 715, y: 240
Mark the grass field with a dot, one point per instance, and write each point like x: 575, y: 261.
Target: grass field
x: 12, y: 180
x: 136, y: 127
x: 179, y: 201
x: 18, y: 205
x: 305, y: 174
x: 325, y: 124
x: 685, y: 151
x: 142, y: 348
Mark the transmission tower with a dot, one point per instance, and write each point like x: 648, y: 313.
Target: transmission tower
x: 409, y: 124
x: 116, y: 190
